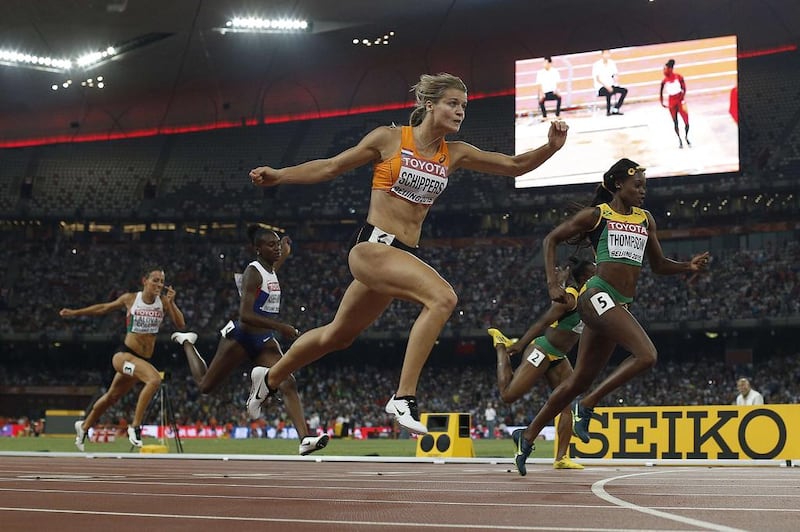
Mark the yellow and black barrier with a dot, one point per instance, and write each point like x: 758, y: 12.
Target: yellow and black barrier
x: 763, y: 432
x: 448, y: 435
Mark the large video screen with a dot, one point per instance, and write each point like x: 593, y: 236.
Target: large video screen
x: 640, y: 128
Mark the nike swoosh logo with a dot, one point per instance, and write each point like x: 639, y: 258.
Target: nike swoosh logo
x: 578, y: 419
x: 400, y: 412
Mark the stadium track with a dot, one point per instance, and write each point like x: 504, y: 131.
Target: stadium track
x: 68, y: 491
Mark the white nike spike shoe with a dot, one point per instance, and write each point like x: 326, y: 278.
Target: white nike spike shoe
x: 80, y: 436
x: 258, y: 391
x: 406, y: 413
x: 309, y: 444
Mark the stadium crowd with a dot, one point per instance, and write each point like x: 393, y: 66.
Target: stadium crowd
x: 332, y: 392
x: 499, y: 282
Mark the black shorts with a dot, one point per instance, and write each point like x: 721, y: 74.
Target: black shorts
x: 370, y: 233
x: 125, y: 349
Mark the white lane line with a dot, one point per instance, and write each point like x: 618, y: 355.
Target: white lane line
x: 293, y: 521
x: 393, y: 502
x: 598, y: 488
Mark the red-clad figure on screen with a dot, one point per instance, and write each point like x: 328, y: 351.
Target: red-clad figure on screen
x: 674, y: 86
x: 734, y: 105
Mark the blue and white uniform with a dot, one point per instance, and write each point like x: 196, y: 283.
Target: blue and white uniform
x: 267, y: 303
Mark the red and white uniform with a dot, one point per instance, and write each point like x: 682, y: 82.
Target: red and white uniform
x: 674, y: 87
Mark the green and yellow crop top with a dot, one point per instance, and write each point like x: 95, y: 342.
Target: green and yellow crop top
x: 620, y: 237
x: 571, y: 321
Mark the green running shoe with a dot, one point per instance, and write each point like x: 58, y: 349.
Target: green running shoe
x: 580, y: 421
x: 523, y: 450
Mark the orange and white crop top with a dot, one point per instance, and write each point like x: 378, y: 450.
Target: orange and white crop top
x: 410, y: 176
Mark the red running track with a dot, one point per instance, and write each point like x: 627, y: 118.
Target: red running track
x: 113, y: 494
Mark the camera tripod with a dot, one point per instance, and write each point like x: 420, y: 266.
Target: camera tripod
x: 166, y: 416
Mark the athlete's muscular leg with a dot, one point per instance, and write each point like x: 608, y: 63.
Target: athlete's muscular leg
x: 622, y: 328
x: 534, y: 364
x: 269, y: 356
x: 144, y: 372
x: 555, y: 376
x: 401, y: 275
x: 594, y: 350
x: 197, y: 364
x: 504, y: 370
x: 229, y: 356
x: 673, y: 111
x: 382, y: 273
x: 360, y: 306
x: 120, y: 385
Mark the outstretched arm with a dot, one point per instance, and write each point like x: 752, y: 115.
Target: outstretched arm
x: 552, y: 314
x: 374, y: 146
x: 98, y: 309
x: 464, y: 155
x: 582, y: 222
x: 666, y: 266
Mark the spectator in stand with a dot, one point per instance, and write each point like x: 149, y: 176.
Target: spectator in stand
x: 547, y: 80
x: 606, y: 82
x: 490, y: 415
x: 747, y: 395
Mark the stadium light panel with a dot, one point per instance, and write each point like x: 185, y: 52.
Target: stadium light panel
x: 265, y: 25
x: 19, y: 59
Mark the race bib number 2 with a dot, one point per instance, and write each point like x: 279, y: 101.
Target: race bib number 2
x: 602, y: 302
x: 536, y: 357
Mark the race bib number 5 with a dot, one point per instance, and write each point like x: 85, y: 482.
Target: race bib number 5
x: 602, y: 302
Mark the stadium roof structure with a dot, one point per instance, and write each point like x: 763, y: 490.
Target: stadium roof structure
x: 172, y: 68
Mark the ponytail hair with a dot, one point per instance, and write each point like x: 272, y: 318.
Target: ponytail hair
x: 670, y: 63
x: 431, y: 88
x: 602, y: 195
x: 147, y: 269
x: 255, y: 230
x: 619, y: 172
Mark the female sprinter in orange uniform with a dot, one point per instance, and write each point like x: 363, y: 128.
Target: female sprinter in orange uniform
x: 674, y: 85
x: 412, y: 165
x: 145, y: 313
x: 622, y: 233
